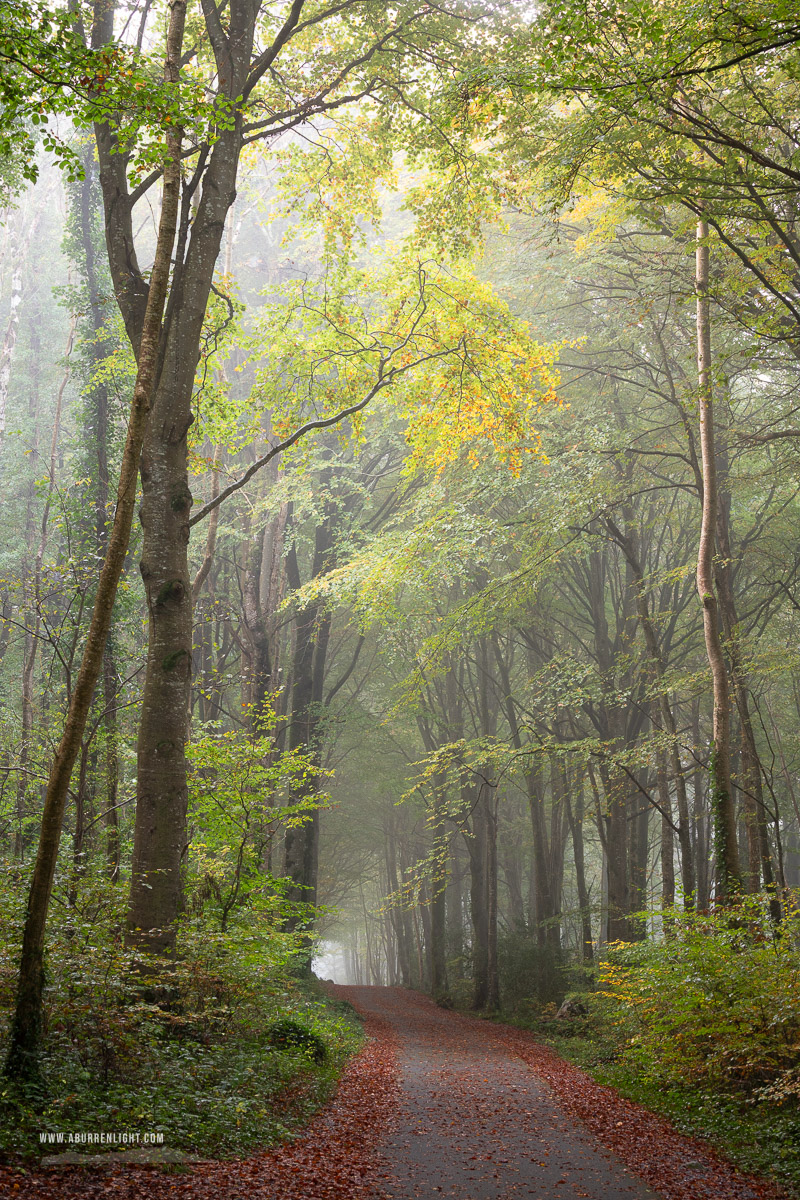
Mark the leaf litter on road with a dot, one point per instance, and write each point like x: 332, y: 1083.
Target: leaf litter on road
x: 339, y: 1155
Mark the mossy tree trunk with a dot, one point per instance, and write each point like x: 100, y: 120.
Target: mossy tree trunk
x: 22, y: 1061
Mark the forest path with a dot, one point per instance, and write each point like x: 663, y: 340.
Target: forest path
x: 473, y: 1122
x: 438, y: 1104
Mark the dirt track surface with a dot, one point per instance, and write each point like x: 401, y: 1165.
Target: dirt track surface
x: 440, y: 1105
x: 537, y: 1126
x: 474, y: 1123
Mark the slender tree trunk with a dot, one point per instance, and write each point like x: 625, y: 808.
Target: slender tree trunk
x: 162, y: 790
x: 663, y: 717
x: 700, y: 815
x: 398, y: 911
x: 24, y: 1046
x: 755, y: 813
x: 439, y: 985
x: 455, y: 909
x: 667, y: 839
x: 727, y: 854
x: 492, y: 962
x: 424, y: 932
x: 312, y: 632
x: 83, y: 805
x: 262, y: 592
x: 639, y: 828
x: 478, y: 898
x: 559, y: 788
x: 98, y: 399
x: 511, y: 857
x: 112, y: 764
x: 575, y: 820
x: 615, y: 824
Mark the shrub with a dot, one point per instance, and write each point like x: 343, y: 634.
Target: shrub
x: 181, y: 1050
x: 716, y: 1005
x: 288, y: 1034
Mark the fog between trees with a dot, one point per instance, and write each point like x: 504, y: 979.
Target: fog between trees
x: 497, y: 660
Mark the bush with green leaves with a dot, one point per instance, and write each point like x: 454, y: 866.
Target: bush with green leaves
x: 715, y: 1005
x: 242, y: 791
x: 182, y: 1048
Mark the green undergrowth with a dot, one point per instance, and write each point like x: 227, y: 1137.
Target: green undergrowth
x: 216, y: 1054
x: 234, y: 1094
x: 702, y: 1028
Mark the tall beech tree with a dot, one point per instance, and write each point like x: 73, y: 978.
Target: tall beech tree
x: 678, y: 108
x: 728, y: 868
x: 23, y: 1052
x: 255, y: 67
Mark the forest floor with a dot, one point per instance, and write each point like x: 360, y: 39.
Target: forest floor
x: 440, y: 1104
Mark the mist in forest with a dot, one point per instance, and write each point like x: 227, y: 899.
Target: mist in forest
x: 398, y: 551
x: 506, y: 668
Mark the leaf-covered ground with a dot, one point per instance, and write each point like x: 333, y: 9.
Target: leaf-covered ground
x: 441, y: 1104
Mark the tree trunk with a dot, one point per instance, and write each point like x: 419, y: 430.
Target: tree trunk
x: 312, y: 630
x: 727, y: 854
x: 262, y: 592
x: 399, y: 911
x: 511, y: 856
x: 700, y: 815
x: 100, y: 434
x: 440, y: 854
x: 25, y: 1041
x: 161, y: 797
x: 478, y: 897
x: 614, y: 826
x: 559, y: 788
x: 492, y: 964
x: 667, y: 839
x: 455, y: 909
x: 575, y: 820
x: 639, y: 828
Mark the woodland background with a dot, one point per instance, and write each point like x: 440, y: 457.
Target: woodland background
x: 435, y: 682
